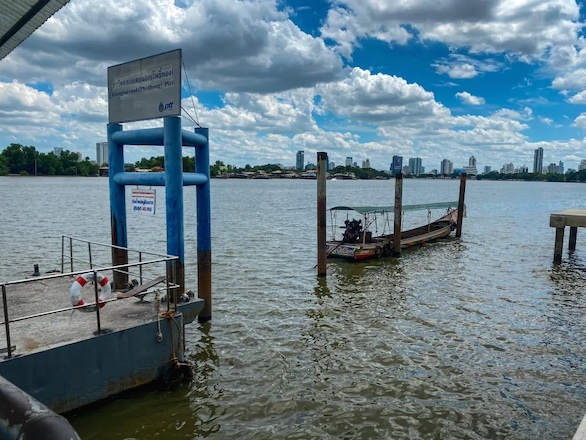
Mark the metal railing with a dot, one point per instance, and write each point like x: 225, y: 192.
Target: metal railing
x: 142, y: 264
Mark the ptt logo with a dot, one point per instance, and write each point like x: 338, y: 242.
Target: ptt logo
x: 165, y: 107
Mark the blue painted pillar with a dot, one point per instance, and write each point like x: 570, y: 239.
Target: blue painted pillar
x: 204, y: 228
x: 174, y: 197
x: 117, y: 206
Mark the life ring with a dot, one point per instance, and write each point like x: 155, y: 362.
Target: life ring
x: 80, y: 281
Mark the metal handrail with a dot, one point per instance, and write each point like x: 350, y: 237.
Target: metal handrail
x: 162, y: 258
x: 79, y: 272
x: 113, y: 246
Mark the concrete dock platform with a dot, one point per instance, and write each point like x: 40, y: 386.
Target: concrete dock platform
x: 574, y: 219
x: 58, y: 356
x: 66, y: 326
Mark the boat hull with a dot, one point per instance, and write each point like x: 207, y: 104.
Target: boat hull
x: 382, y: 245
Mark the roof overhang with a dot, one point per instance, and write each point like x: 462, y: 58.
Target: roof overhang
x: 19, y: 19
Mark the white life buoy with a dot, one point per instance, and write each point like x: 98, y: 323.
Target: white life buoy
x: 80, y: 281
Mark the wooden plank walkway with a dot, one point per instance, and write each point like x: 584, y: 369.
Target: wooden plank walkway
x: 574, y: 218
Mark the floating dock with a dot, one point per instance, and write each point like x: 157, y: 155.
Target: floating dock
x: 67, y: 357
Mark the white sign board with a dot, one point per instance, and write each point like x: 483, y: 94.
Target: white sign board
x: 144, y: 201
x: 145, y: 89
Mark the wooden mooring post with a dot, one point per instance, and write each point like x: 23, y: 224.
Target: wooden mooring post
x: 322, y: 159
x: 461, y: 205
x: 398, y: 212
x: 574, y: 218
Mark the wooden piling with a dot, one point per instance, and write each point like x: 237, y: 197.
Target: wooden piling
x: 321, y: 213
x: 461, y: 205
x: 559, y: 245
x: 398, y: 214
x: 573, y: 236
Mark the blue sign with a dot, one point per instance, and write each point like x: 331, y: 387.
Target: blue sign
x: 397, y: 164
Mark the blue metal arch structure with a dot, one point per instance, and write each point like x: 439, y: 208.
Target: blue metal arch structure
x: 172, y: 138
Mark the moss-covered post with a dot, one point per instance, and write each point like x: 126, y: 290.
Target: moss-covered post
x: 398, y: 212
x: 461, y: 205
x: 321, y: 213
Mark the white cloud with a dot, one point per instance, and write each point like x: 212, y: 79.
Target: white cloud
x: 459, y: 66
x: 525, y: 27
x: 272, y: 88
x: 580, y: 121
x: 379, y: 98
x: 227, y: 44
x: 459, y: 71
x: 575, y: 79
x: 469, y: 99
x: 578, y: 98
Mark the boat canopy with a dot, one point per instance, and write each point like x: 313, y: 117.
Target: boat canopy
x: 384, y: 209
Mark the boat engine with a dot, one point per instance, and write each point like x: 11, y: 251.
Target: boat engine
x: 353, y: 231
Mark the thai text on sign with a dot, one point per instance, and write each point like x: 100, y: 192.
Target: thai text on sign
x: 144, y: 201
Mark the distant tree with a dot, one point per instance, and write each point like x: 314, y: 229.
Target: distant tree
x: 70, y: 164
x: 3, y: 165
x: 30, y: 156
x: 216, y: 168
x: 86, y: 168
x: 49, y: 164
x: 15, y: 157
x: 188, y: 164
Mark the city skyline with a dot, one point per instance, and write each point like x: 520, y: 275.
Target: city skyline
x: 472, y: 167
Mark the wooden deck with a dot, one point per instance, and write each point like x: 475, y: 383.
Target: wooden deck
x: 574, y: 219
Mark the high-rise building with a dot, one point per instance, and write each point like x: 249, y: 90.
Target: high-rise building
x: 538, y: 161
x: 552, y: 168
x: 487, y: 169
x: 366, y: 163
x: 57, y: 151
x: 300, y: 162
x: 349, y: 161
x: 471, y: 168
x: 415, y: 167
x: 101, y: 153
x: 561, y: 167
x: 508, y: 168
x: 446, y: 167
x: 582, y: 165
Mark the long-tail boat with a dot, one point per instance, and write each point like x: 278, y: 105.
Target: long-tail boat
x: 358, y: 242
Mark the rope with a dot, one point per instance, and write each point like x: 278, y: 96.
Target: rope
x: 428, y: 219
x: 158, y: 302
x: 191, y: 93
x: 172, y: 321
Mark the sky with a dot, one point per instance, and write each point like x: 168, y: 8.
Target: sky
x: 435, y: 79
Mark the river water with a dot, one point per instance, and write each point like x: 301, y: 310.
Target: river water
x: 478, y: 338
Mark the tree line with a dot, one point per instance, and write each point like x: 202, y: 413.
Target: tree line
x: 26, y: 160
x: 570, y: 176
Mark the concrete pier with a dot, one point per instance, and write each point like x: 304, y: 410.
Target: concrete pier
x: 574, y: 219
x: 56, y: 354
